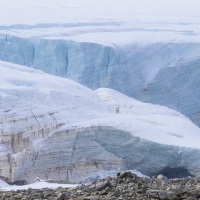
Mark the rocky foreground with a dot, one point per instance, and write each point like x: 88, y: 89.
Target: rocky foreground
x: 125, y: 186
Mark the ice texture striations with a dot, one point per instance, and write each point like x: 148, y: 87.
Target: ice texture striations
x: 163, y: 73
x: 54, y: 128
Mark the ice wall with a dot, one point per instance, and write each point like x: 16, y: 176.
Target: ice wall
x: 177, y: 87
x: 148, y: 72
x: 54, y: 128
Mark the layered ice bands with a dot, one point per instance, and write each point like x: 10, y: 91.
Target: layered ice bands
x: 54, y: 128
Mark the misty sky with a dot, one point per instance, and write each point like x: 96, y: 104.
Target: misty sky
x: 62, y: 11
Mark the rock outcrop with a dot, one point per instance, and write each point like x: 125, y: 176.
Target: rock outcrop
x: 125, y: 185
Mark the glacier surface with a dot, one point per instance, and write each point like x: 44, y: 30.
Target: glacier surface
x: 54, y: 128
x: 164, y: 73
x: 142, y: 49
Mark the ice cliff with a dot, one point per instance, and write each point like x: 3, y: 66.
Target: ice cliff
x: 162, y: 73
x: 52, y: 127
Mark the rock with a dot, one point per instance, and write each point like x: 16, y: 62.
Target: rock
x: 18, y: 196
x: 19, y: 182
x: 125, y: 174
x: 191, y: 198
x: 102, y: 186
x: 126, y: 187
x: 62, y: 196
x: 162, y: 180
x: 163, y: 195
x: 116, y: 193
x: 37, y: 179
x: 79, y: 198
x: 91, y: 198
x: 153, y: 195
x: 144, y: 188
x: 92, y: 188
x: 171, y: 195
x: 194, y: 193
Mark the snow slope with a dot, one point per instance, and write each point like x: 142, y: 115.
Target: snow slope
x: 54, y: 128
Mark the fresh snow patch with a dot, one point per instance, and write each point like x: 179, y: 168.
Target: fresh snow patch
x: 38, y: 185
x: 3, y: 184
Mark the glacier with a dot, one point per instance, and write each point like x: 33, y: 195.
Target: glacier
x: 139, y: 50
x: 52, y: 127
x: 148, y: 72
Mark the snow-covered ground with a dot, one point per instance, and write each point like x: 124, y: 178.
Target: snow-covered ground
x: 38, y: 185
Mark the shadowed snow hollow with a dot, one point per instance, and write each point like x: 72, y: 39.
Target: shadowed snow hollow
x: 55, y: 128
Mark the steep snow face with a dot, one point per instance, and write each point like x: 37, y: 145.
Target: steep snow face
x: 55, y: 128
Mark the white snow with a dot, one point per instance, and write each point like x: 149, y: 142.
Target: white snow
x: 3, y: 184
x: 43, y: 184
x: 37, y: 185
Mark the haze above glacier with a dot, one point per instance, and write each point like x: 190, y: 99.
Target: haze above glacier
x: 62, y: 11
x: 123, y: 22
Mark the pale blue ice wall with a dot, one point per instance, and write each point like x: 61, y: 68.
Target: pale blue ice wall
x: 163, y: 73
x: 178, y: 88
x: 16, y: 50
